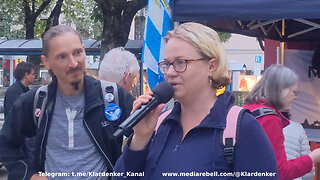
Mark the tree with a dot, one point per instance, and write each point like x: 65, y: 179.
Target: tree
x: 31, y: 14
x: 86, y: 16
x: 20, y: 19
x: 224, y: 36
x: 45, y: 22
x: 10, y: 20
x: 53, y: 19
x: 117, y: 16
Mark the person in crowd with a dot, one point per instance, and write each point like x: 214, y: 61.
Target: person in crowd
x: 73, y: 135
x: 24, y: 75
x: 190, y: 137
x: 119, y: 66
x: 276, y: 91
x: 296, y: 143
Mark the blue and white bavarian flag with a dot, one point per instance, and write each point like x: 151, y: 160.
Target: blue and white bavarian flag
x: 158, y: 23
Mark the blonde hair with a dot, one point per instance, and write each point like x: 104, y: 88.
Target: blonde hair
x: 209, y: 45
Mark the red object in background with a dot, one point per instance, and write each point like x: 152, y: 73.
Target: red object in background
x: 270, y: 52
x: 6, y: 64
x: 270, y: 49
x: 302, y: 45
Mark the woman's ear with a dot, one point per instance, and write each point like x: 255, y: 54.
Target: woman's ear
x: 213, y: 66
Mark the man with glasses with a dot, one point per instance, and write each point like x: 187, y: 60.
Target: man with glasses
x: 24, y: 74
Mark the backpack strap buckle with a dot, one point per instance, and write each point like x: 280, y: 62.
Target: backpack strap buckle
x: 262, y: 112
x: 231, y: 132
x: 228, y: 153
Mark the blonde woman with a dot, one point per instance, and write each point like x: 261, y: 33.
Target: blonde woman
x: 189, y: 140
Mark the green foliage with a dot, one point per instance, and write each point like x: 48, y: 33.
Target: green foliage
x: 86, y: 16
x: 39, y: 28
x: 224, y: 36
x: 11, y: 20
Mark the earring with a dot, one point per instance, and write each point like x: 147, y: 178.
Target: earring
x: 210, y: 82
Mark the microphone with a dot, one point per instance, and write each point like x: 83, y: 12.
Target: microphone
x: 162, y: 93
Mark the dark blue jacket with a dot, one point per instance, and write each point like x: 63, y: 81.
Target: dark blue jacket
x: 201, y: 151
x: 20, y: 124
x: 12, y: 94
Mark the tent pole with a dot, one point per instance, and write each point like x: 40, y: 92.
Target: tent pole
x: 282, y: 43
x: 176, y: 24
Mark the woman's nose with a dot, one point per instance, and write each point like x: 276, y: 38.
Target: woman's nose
x: 171, y: 71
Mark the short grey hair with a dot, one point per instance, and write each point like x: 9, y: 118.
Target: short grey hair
x: 116, y: 63
x: 274, y: 80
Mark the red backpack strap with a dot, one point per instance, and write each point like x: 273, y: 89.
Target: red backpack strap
x: 230, y: 134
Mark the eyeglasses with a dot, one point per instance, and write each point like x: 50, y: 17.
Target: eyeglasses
x: 179, y: 65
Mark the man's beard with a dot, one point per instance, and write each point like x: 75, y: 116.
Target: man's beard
x: 76, y: 85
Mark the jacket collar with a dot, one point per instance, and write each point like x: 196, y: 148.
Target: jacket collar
x: 92, y: 98
x: 263, y: 103
x: 23, y: 87
x: 285, y: 121
x: 217, y: 116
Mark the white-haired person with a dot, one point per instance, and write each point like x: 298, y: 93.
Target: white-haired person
x: 189, y: 140
x: 119, y: 66
x: 275, y: 92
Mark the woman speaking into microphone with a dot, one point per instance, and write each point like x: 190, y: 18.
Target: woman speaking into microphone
x: 189, y: 140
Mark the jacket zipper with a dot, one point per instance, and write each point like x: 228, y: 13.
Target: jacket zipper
x: 98, y: 144
x: 25, y: 174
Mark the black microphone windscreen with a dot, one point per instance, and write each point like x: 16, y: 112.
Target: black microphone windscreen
x: 163, y: 91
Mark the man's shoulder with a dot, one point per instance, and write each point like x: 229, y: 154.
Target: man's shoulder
x: 14, y: 87
x: 92, y: 82
x: 123, y: 92
x: 90, y: 79
x: 29, y: 95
